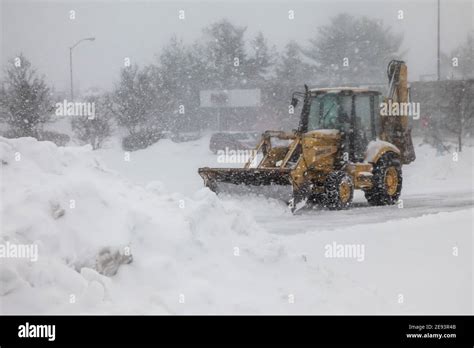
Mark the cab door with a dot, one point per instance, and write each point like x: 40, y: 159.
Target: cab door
x: 362, y: 125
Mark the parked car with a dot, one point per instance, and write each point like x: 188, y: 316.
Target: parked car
x: 141, y: 139
x: 185, y: 136
x: 233, y: 141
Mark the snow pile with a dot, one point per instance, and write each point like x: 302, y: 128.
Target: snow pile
x: 108, y: 245
x: 174, y: 164
x: 431, y: 172
x: 424, y: 259
x: 374, y: 147
x: 84, y: 218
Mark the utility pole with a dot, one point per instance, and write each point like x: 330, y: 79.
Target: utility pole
x: 70, y: 61
x: 70, y: 70
x: 439, y: 49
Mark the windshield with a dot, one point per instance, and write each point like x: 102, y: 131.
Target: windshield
x: 325, y: 109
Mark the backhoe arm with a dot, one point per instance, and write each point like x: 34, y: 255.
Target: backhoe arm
x: 395, y: 128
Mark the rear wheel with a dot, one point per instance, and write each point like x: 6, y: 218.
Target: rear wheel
x: 387, y: 181
x: 338, y: 191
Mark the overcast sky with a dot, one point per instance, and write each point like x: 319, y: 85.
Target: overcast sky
x: 43, y: 31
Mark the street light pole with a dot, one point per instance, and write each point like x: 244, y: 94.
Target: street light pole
x: 70, y: 70
x: 70, y: 62
x: 439, y: 49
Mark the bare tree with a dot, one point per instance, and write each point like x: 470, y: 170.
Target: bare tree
x: 459, y: 110
x: 93, y: 130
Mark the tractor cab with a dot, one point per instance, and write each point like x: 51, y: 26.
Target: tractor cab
x: 349, y: 111
x: 342, y: 143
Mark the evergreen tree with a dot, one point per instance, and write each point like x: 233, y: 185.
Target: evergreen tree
x: 353, y: 50
x: 291, y: 68
x: 291, y: 73
x: 461, y: 62
x: 180, y: 71
x: 261, y: 60
x: 25, y: 98
x: 226, y: 60
x: 133, y: 98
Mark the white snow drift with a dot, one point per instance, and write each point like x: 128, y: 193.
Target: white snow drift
x: 109, y: 245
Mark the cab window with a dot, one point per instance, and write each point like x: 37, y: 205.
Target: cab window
x: 325, y: 110
x: 363, y: 115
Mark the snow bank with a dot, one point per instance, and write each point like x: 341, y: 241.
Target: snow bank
x: 84, y: 217
x: 176, y: 165
x: 431, y: 172
x: 427, y: 260
x: 192, y: 252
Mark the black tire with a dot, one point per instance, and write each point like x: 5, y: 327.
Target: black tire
x: 338, y: 191
x: 381, y: 193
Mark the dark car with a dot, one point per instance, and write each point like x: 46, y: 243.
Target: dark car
x: 233, y: 141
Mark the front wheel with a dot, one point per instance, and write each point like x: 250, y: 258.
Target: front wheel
x: 338, y: 191
x: 386, y: 181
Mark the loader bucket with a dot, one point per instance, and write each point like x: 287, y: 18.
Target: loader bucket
x: 271, y: 177
x: 271, y: 182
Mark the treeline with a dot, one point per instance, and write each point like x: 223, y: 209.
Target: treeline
x: 164, y: 96
x: 348, y: 51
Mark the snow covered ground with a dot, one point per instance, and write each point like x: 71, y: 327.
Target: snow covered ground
x: 194, y: 252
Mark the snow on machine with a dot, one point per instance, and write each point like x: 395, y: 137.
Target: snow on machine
x: 347, y: 139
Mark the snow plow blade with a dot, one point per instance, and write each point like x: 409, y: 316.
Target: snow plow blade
x: 272, y: 177
x: 244, y: 176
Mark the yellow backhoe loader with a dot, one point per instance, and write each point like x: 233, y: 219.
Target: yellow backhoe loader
x: 343, y: 143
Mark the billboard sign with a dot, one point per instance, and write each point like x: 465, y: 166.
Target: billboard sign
x: 231, y: 98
